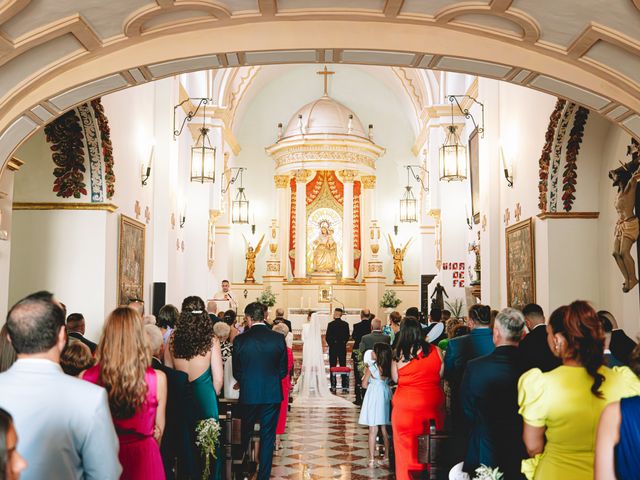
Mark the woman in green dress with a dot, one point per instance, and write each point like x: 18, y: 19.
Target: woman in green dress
x: 195, y: 350
x: 561, y: 408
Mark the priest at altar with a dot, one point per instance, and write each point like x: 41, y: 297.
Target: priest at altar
x: 225, y: 298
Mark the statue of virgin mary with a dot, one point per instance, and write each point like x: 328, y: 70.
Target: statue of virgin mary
x: 325, y: 250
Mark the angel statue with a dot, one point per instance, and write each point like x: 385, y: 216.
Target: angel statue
x: 398, y: 257
x: 251, y: 259
x: 627, y: 227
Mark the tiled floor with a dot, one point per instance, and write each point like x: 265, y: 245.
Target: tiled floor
x: 325, y: 443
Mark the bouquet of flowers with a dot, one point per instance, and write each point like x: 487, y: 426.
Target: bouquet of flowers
x: 487, y: 473
x: 207, y: 438
x: 267, y: 297
x: 389, y: 299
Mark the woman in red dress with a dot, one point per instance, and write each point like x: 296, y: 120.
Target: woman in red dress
x: 417, y: 369
x: 286, y: 383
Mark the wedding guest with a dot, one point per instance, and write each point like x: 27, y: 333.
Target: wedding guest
x: 166, y: 321
x: 376, y: 336
x: 489, y: 393
x: 435, y: 321
x: 76, y: 329
x: 175, y: 448
x: 138, y: 305
x: 137, y: 393
x: 64, y: 423
x: 534, y: 348
x: 561, y: 408
x: 460, y: 350
x: 618, y: 436
x: 417, y: 369
x: 230, y: 319
x: 446, y: 315
x: 259, y: 364
x: 11, y: 462
x: 621, y: 345
x: 286, y: 384
x: 195, y: 350
x: 377, y: 401
x: 394, y: 325
x: 610, y: 359
x: 222, y: 330
x: 212, y: 311
x: 360, y: 329
x: 337, y: 337
x: 280, y: 319
x: 76, y: 357
x: 7, y: 352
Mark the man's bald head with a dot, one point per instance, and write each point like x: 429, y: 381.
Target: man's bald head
x: 34, y: 323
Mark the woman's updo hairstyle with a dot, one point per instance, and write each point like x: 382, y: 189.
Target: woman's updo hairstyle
x: 480, y: 314
x: 578, y: 323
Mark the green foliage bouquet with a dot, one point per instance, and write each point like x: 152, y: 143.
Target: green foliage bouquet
x: 487, y: 473
x: 207, y: 439
x: 267, y: 297
x: 389, y: 299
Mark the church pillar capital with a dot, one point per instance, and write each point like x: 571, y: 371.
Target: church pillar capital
x: 281, y: 181
x: 302, y: 175
x: 348, y: 175
x: 368, y: 181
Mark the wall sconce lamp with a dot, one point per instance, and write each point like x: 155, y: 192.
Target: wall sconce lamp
x: 418, y: 178
x: 233, y: 179
x: 145, y: 170
x: 507, y: 169
x: 203, y: 154
x: 466, y: 113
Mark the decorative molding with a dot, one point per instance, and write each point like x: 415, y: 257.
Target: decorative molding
x: 302, y: 176
x: 368, y: 181
x: 568, y: 215
x: 348, y: 175
x: 108, y: 207
x: 14, y: 164
x: 137, y: 209
x: 517, y: 213
x: 281, y: 181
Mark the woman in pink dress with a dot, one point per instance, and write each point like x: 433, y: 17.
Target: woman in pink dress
x: 137, y: 394
x: 286, y: 383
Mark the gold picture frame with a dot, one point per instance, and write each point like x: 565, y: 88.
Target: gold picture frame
x: 131, y: 246
x: 521, y: 264
x: 325, y: 294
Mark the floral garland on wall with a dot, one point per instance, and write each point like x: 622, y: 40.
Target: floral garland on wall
x: 65, y: 135
x: 573, y: 148
x: 545, y: 158
x: 107, y: 147
x: 74, y: 138
x: 561, y: 133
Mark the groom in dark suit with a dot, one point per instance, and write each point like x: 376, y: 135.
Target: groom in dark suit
x: 259, y: 365
x: 337, y: 337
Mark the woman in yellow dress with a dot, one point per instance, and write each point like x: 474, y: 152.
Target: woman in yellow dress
x: 561, y: 408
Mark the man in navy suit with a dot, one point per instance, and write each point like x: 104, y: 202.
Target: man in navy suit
x: 489, y: 394
x: 534, y: 348
x: 360, y: 329
x: 259, y: 365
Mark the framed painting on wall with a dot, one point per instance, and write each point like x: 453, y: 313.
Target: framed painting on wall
x: 474, y: 175
x: 325, y: 294
x: 521, y: 264
x: 130, y: 260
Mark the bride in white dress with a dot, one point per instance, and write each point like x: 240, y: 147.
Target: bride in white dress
x: 312, y: 387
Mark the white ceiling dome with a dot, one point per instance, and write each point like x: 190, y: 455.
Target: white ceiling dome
x: 324, y: 116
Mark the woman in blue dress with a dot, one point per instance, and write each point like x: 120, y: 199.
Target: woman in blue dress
x: 376, y: 405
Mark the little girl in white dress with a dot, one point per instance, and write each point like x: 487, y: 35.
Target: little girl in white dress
x: 376, y: 405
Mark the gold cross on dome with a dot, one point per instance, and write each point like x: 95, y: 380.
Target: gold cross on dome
x: 518, y: 212
x: 326, y: 74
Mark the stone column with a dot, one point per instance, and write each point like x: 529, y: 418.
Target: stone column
x: 283, y: 197
x: 301, y: 224
x: 348, y: 176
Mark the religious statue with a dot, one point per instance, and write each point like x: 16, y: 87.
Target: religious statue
x: 325, y: 252
x: 439, y: 293
x: 398, y: 257
x: 474, y: 265
x: 250, y: 256
x: 627, y: 228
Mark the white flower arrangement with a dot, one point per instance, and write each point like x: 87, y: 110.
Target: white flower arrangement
x: 207, y: 438
x: 267, y: 297
x: 389, y: 299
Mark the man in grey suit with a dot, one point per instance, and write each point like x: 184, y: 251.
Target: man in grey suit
x: 376, y: 336
x: 64, y: 424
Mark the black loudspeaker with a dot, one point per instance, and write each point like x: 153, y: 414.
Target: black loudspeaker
x: 425, y: 280
x: 159, y: 296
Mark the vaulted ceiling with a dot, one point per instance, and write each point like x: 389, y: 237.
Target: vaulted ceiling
x: 57, y: 53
